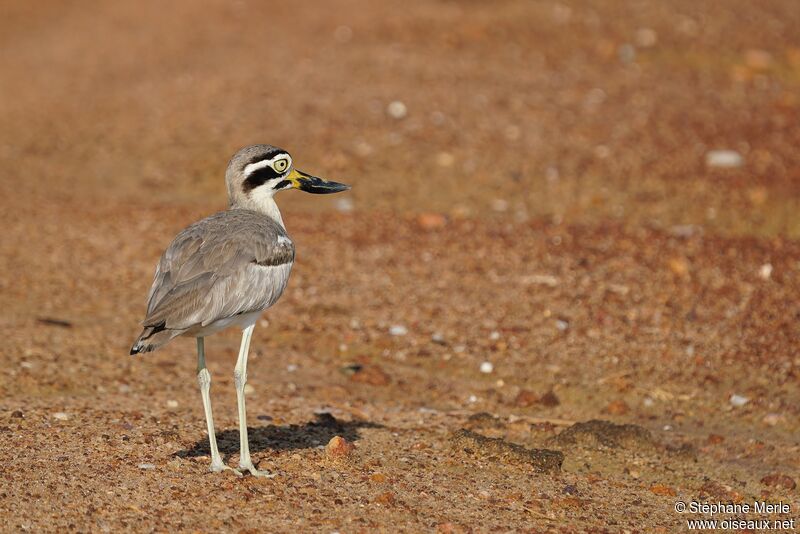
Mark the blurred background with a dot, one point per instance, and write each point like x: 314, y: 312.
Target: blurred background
x: 561, y: 210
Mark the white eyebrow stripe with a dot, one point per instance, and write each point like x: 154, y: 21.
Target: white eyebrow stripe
x: 252, y: 167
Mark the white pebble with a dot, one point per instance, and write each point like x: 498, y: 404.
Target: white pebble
x: 398, y: 330
x: 500, y: 205
x: 765, y: 272
x: 472, y: 399
x: 248, y: 389
x: 147, y: 466
x: 487, y: 367
x: 738, y: 400
x: 562, y: 325
x: 438, y: 337
x: 172, y: 404
x: 60, y: 416
x: 345, y: 204
x: 646, y: 37
x: 724, y: 159
x: 291, y: 368
x: 397, y: 110
x: 494, y: 336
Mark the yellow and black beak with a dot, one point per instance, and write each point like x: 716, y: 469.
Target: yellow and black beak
x: 312, y: 184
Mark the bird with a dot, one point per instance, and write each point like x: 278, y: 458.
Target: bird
x: 225, y: 270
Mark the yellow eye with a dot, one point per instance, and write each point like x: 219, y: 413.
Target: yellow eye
x: 281, y: 165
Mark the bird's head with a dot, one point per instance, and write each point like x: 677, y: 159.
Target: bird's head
x: 257, y: 172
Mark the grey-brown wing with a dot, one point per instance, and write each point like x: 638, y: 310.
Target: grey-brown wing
x: 232, y: 262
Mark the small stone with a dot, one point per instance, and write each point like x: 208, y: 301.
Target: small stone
x: 500, y: 205
x: 738, y: 401
x: 679, y: 266
x: 570, y: 489
x: 646, y: 37
x: 487, y: 367
x: 338, y: 447
x: 562, y: 325
x: 724, y: 159
x: 779, y: 480
x: 765, y: 271
x: 525, y: 398
x: 618, y: 407
x: 771, y: 419
x: 758, y: 59
x: 386, y: 499
x: 172, y: 403
x: 147, y: 466
x: 438, y: 338
x: 663, y: 490
x: 445, y: 159
x: 17, y: 414
x: 715, y: 439
x: 431, y: 221
x: 378, y: 478
x: 345, y: 204
x: 371, y: 375
x: 398, y: 330
x: 60, y: 416
x: 549, y: 399
x: 248, y: 389
x: 397, y: 110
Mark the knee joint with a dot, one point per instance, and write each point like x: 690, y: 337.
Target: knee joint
x: 239, y: 379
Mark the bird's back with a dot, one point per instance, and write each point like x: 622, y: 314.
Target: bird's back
x: 232, y: 263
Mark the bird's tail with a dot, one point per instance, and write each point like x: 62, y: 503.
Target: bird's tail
x: 152, y: 337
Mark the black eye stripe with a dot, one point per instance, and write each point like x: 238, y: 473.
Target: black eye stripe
x: 259, y: 177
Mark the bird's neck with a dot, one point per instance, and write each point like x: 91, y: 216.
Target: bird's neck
x: 261, y: 203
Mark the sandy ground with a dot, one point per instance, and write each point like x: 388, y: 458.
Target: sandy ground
x: 537, y: 203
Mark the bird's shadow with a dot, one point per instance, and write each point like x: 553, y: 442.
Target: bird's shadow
x: 280, y: 438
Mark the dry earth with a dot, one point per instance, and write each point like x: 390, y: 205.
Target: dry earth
x: 536, y: 204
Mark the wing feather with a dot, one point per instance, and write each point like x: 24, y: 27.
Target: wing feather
x: 232, y: 262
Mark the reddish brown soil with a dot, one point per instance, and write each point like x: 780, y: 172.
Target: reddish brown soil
x: 543, y: 206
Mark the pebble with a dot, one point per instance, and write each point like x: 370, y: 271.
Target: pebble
x: 779, y: 480
x: 345, y: 204
x: 172, y: 404
x: 500, y: 205
x: 550, y: 400
x: 562, y: 325
x: 17, y: 414
x: 438, y: 338
x: 525, y: 398
x: 60, y: 416
x: 487, y: 367
x: 771, y: 419
x: 396, y: 109
x: 646, y: 37
x: 431, y: 221
x: 291, y: 368
x: 738, y: 400
x: 248, y: 389
x: 724, y: 159
x: 398, y: 330
x: 618, y: 407
x: 445, y: 159
x: 765, y: 271
x: 338, y: 447
x: 147, y: 466
x: 472, y: 399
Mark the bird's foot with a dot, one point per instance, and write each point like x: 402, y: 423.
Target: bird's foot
x: 255, y: 472
x: 217, y: 467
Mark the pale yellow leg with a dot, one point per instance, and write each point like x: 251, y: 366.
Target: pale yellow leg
x: 204, y: 379
x: 240, y: 378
